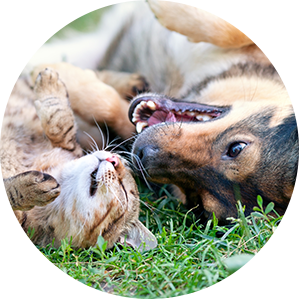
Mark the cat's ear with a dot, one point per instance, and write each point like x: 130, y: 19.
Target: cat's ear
x: 139, y: 237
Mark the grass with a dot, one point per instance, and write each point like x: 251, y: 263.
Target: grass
x: 189, y: 256
x: 189, y: 262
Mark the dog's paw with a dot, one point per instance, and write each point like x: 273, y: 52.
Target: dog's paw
x: 161, y: 9
x: 40, y: 188
x: 173, y: 14
x: 138, y: 84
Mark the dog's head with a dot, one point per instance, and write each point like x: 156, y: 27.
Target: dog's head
x: 232, y: 138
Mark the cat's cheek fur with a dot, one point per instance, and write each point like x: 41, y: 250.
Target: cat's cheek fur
x: 86, y: 216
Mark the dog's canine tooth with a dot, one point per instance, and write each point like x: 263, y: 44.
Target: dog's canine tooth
x: 151, y: 105
x: 139, y: 106
x: 134, y: 119
x: 140, y: 126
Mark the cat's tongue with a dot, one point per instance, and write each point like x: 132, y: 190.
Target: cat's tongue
x: 161, y: 116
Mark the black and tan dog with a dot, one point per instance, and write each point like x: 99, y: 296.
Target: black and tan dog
x: 232, y: 135
x: 218, y: 123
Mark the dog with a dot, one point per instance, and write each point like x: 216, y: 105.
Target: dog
x: 217, y: 122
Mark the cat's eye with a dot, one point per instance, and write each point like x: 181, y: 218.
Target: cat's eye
x: 235, y: 149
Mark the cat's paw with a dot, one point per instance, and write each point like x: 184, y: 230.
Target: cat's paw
x: 48, y: 86
x: 32, y: 188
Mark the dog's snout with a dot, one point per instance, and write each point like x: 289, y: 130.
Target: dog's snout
x: 145, y: 153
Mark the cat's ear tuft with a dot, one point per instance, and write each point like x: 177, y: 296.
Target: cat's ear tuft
x: 139, y: 237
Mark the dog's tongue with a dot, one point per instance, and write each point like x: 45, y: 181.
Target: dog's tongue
x: 170, y: 117
x: 161, y: 116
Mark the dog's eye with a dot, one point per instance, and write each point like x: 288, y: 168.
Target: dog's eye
x: 235, y: 149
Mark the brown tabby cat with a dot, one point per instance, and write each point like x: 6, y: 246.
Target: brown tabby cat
x: 51, y: 186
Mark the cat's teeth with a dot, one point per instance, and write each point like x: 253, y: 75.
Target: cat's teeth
x: 151, y: 105
x: 140, y: 126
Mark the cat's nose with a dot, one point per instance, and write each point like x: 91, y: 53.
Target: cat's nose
x: 114, y: 160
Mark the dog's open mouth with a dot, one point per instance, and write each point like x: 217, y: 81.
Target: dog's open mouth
x: 146, y: 111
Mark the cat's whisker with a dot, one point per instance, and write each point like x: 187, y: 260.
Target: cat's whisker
x: 111, y: 144
x: 143, y: 170
x: 101, y: 132
x: 133, y: 137
x: 94, y: 142
x: 141, y: 166
x: 107, y: 135
x: 112, y: 191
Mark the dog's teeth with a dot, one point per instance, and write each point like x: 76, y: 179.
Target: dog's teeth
x: 134, y: 119
x: 140, y: 126
x: 190, y: 113
x: 206, y: 118
x: 151, y: 105
x: 140, y: 105
x: 203, y: 117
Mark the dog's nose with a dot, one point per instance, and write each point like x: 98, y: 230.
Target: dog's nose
x: 145, y: 153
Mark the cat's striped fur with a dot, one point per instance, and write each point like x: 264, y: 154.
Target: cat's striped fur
x: 46, y: 184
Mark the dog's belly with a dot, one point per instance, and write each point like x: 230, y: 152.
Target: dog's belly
x: 167, y: 59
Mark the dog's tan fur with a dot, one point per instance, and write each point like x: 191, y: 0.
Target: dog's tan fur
x: 192, y: 155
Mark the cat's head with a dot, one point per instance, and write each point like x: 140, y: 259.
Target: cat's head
x: 99, y: 197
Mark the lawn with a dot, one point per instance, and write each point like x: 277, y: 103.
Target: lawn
x: 191, y: 260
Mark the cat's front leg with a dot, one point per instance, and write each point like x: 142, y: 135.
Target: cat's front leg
x: 29, y: 189
x: 53, y: 108
x: 93, y: 100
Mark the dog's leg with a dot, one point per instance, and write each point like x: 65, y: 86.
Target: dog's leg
x: 91, y: 99
x: 127, y: 85
x: 234, y: 27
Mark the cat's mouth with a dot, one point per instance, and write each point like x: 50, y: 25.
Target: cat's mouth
x: 94, y: 182
x: 114, y: 160
x: 148, y: 110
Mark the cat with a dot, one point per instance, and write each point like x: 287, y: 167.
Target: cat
x: 55, y: 190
